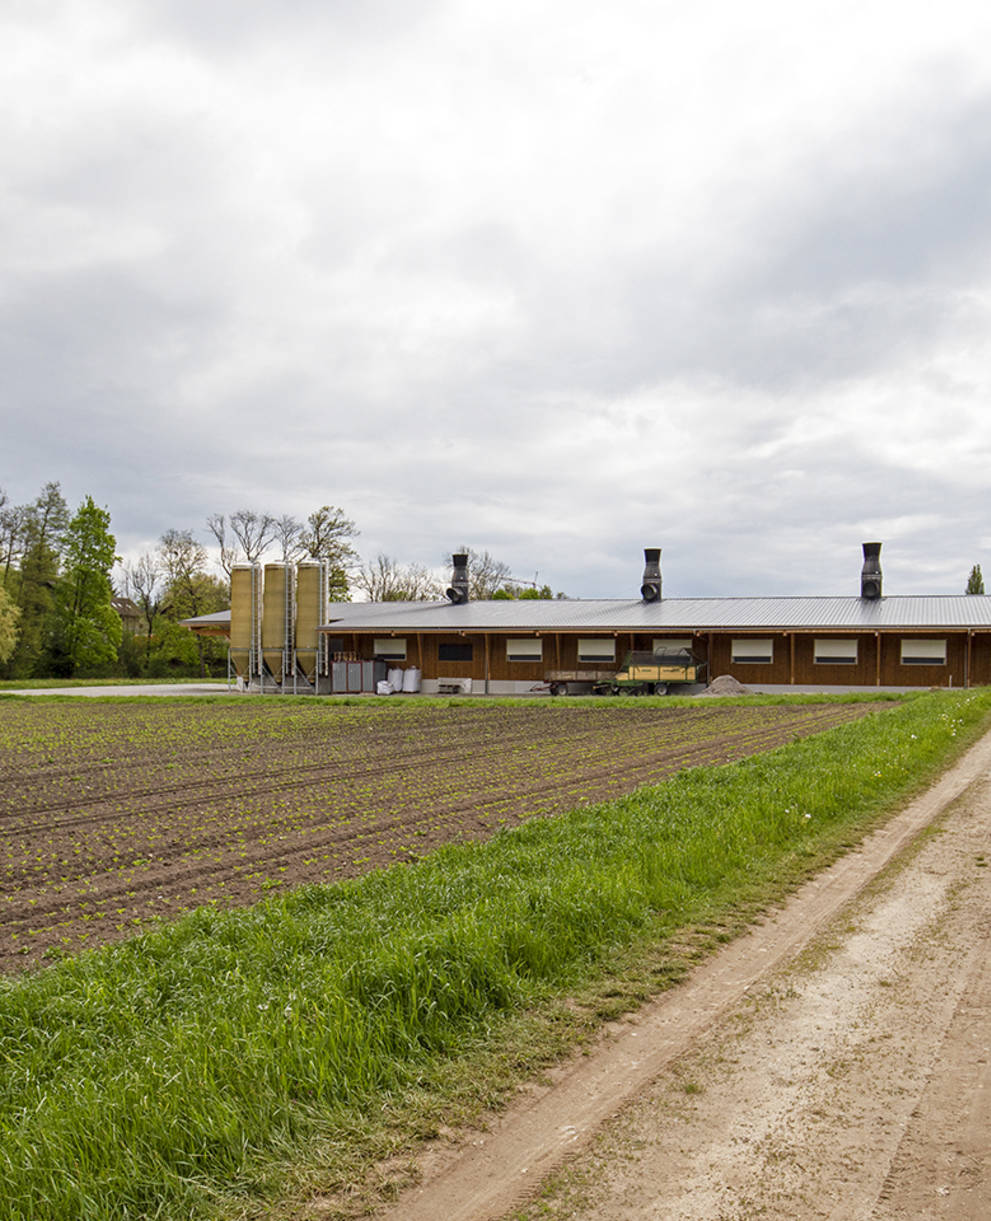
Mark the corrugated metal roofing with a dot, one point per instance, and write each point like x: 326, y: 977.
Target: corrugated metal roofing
x: 671, y: 614
x: 921, y: 612
x: 218, y: 619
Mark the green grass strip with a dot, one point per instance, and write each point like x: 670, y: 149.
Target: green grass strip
x: 166, y: 1076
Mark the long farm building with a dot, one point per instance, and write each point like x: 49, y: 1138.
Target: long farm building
x: 285, y: 636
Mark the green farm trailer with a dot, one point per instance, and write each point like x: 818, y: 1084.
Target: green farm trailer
x: 643, y: 673
x: 654, y: 673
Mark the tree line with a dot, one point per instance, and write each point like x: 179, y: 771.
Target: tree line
x: 70, y: 608
x: 56, y: 612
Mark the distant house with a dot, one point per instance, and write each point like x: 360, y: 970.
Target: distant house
x: 279, y: 642
x: 130, y: 613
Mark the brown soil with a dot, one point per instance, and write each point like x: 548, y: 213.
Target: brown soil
x: 833, y: 1063
x: 112, y: 815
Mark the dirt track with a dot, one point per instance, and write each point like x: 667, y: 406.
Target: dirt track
x: 834, y: 1063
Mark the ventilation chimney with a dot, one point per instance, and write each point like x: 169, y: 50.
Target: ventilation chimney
x: 458, y: 592
x: 650, y: 590
x: 870, y: 574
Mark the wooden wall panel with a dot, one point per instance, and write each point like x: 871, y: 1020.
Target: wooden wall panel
x: 777, y: 671
x: 894, y: 674
x: 474, y: 669
x: 980, y: 659
x: 810, y: 673
x: 501, y: 669
x: 560, y: 651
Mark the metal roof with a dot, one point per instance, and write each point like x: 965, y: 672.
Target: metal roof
x: 913, y: 612
x: 218, y: 620
x: 671, y: 614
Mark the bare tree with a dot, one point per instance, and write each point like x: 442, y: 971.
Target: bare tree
x: 245, y: 533
x: 217, y: 524
x: 142, y: 584
x: 288, y: 533
x: 13, y: 532
x: 384, y: 580
x: 254, y: 532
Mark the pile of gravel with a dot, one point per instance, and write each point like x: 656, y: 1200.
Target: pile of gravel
x: 725, y: 684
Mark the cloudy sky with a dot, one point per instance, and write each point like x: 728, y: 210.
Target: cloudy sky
x: 552, y: 278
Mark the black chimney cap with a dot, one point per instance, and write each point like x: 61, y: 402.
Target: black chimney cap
x: 870, y: 574
x: 650, y: 586
x: 458, y: 592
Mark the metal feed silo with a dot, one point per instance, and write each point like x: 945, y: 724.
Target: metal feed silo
x: 311, y: 609
x: 246, y: 618
x: 277, y: 619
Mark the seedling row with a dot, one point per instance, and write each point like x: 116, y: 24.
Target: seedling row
x: 114, y: 815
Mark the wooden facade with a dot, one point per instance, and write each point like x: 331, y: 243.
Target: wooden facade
x: 876, y: 657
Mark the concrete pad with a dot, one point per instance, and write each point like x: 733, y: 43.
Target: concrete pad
x: 204, y: 688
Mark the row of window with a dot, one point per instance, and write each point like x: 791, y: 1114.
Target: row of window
x: 839, y: 652
x: 525, y: 649
x: 516, y: 650
x: 747, y: 650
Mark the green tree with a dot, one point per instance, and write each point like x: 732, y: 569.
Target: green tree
x: 40, y: 531
x: 34, y: 586
x: 327, y: 536
x: 176, y: 651
x: 9, y: 614
x: 526, y: 593
x: 975, y: 582
x: 87, y: 629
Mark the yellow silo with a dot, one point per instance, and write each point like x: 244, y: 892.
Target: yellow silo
x: 246, y: 588
x: 277, y: 620
x: 311, y: 609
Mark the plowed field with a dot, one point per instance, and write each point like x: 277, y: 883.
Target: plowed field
x: 112, y: 815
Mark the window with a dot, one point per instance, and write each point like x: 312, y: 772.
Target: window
x: 524, y: 650
x: 596, y: 650
x: 923, y: 652
x: 835, y: 652
x: 751, y: 651
x: 390, y: 649
x: 455, y: 652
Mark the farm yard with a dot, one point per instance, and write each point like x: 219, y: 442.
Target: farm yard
x: 116, y: 814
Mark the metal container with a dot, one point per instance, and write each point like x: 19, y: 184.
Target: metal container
x: 277, y: 620
x: 311, y: 606
x: 246, y: 605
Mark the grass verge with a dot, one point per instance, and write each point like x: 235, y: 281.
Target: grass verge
x: 182, y: 1073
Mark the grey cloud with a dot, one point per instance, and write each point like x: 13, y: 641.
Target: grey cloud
x: 926, y: 222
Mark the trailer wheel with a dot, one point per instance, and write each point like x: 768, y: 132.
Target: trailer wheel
x: 555, y: 688
x: 660, y: 688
